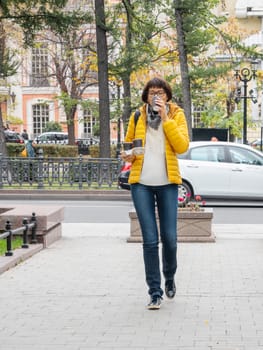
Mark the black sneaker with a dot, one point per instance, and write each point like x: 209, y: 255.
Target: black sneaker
x: 170, y: 289
x: 155, y: 303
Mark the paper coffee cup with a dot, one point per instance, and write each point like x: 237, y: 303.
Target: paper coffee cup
x: 137, y: 147
x: 138, y: 150
x: 137, y: 143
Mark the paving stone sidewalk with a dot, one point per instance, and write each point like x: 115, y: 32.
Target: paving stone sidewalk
x: 87, y: 291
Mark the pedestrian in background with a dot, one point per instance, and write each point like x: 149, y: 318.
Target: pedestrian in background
x: 25, y: 135
x: 30, y: 149
x: 154, y: 179
x: 30, y: 154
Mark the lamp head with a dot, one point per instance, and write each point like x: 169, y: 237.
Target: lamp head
x: 13, y: 97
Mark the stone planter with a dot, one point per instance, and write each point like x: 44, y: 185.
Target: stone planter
x: 49, y: 218
x: 192, y: 226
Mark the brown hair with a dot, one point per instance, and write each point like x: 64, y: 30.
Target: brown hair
x: 157, y: 83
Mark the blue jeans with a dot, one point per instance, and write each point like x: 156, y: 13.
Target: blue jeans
x: 145, y: 199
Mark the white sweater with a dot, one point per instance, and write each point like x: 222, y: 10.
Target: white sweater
x: 154, y: 172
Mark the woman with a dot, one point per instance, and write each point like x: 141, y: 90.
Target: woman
x: 154, y: 179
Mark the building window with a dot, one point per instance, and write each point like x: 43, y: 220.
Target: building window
x: 88, y: 122
x: 40, y: 117
x: 39, y: 69
x: 197, y: 110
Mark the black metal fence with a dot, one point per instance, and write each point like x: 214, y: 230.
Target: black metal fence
x: 58, y: 173
x: 24, y: 229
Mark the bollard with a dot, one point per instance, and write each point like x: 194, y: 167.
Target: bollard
x: 25, y: 234
x: 34, y: 229
x: 8, y: 240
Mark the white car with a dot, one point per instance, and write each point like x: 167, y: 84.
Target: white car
x: 52, y: 137
x: 221, y: 170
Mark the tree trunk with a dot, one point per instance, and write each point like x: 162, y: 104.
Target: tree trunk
x: 127, y: 100
x: 71, y: 126
x: 126, y: 77
x: 102, y: 57
x: 3, y: 149
x: 186, y: 89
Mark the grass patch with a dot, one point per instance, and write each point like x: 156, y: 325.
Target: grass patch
x: 16, y: 243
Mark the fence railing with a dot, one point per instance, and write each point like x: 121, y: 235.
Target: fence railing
x: 58, y: 173
x: 24, y: 229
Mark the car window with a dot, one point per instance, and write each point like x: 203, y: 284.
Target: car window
x: 208, y: 153
x: 11, y: 136
x: 58, y: 137
x: 42, y: 138
x: 199, y: 153
x: 52, y: 138
x: 243, y: 156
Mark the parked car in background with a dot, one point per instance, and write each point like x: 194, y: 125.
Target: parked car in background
x: 88, y: 141
x: 52, y: 137
x: 13, y: 137
x: 258, y: 144
x: 217, y: 170
x: 84, y: 144
x: 124, y: 176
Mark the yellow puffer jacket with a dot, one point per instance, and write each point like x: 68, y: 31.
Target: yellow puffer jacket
x: 176, y: 141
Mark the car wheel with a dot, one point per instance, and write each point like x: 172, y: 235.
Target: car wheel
x: 184, y: 194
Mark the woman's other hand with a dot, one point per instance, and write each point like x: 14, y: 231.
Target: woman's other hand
x: 127, y: 157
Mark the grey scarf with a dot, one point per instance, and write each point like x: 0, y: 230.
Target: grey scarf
x: 153, y: 118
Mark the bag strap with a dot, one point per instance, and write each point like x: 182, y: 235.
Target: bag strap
x: 136, y: 117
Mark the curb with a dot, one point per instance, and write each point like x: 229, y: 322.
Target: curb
x: 64, y: 195
x: 19, y: 255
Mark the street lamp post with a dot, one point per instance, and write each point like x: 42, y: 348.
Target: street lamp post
x: 13, y: 97
x: 245, y: 75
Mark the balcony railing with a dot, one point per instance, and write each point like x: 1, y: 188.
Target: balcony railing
x: 56, y: 173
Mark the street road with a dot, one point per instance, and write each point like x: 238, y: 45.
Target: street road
x: 117, y: 211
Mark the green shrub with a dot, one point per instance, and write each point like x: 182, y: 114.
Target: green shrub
x: 95, y: 151
x: 14, y: 149
x: 53, y: 150
x: 113, y: 151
